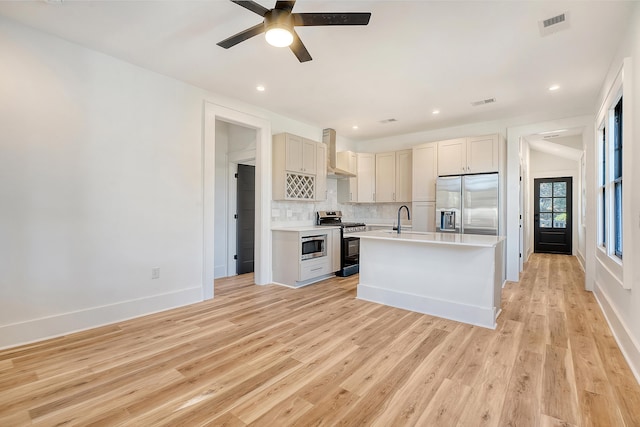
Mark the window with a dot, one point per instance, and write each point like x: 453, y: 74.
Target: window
x: 602, y: 235
x: 614, y: 125
x: 617, y: 178
x: 610, y: 180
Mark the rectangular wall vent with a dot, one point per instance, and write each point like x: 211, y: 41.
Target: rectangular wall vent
x: 483, y: 101
x: 553, y: 21
x: 554, y: 24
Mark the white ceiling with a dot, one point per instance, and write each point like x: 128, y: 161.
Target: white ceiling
x: 412, y: 58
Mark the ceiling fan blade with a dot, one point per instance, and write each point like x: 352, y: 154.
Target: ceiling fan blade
x: 285, y: 5
x: 316, y: 19
x: 252, y: 6
x: 242, y: 36
x: 298, y: 49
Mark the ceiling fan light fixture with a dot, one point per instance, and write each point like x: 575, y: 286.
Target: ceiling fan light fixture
x: 279, y: 37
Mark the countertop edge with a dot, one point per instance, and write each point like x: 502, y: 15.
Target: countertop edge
x: 377, y: 235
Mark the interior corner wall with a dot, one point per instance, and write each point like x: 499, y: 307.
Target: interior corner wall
x: 622, y: 306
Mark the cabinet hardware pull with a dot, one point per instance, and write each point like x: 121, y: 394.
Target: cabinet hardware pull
x: 316, y: 269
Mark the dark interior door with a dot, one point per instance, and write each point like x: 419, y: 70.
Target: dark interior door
x: 552, y: 215
x: 246, y: 218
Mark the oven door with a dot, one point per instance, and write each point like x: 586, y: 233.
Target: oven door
x: 350, y: 251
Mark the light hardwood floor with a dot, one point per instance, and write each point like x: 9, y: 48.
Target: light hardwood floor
x: 275, y: 356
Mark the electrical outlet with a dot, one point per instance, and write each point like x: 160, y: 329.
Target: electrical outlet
x: 155, y: 273
x: 289, y: 213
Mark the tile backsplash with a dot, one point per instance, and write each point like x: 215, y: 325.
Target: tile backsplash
x: 289, y: 213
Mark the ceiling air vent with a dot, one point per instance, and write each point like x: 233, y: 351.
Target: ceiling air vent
x: 554, y: 24
x: 483, y: 101
x: 385, y: 121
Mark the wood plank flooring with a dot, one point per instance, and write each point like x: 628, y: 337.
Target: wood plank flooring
x: 273, y: 356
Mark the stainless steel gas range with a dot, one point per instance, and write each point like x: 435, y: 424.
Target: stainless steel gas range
x: 350, y: 246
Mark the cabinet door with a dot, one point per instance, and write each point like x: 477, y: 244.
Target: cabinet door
x: 404, y: 177
x: 309, y: 156
x: 482, y: 154
x: 425, y: 172
x: 293, y: 153
x: 452, y: 157
x: 348, y: 188
x: 385, y: 177
x: 423, y: 216
x: 321, y: 172
x: 366, y: 179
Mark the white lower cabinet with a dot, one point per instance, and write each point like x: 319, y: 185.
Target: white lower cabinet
x: 423, y: 216
x: 313, y: 268
x: 288, y: 267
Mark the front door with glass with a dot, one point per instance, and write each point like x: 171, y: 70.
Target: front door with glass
x: 552, y: 215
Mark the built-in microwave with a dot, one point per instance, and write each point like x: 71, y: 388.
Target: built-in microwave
x: 313, y: 246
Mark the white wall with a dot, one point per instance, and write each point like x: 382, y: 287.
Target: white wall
x: 100, y: 180
x: 622, y: 306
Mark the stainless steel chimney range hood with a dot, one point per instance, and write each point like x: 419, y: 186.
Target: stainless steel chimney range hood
x: 333, y: 171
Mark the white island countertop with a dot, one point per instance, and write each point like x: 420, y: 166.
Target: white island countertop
x: 432, y: 238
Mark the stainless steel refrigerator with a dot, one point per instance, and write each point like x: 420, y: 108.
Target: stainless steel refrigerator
x: 467, y: 204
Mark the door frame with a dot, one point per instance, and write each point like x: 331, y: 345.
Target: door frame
x: 574, y: 200
x: 263, y: 192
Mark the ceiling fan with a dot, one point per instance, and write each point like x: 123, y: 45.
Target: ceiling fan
x: 279, y: 22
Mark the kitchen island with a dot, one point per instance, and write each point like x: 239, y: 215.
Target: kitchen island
x: 455, y: 276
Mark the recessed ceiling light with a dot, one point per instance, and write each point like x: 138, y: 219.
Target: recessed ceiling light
x: 354, y: 127
x: 260, y: 88
x: 553, y: 88
x: 435, y: 112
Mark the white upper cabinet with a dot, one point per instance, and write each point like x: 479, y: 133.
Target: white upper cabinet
x: 296, y: 162
x: 366, y: 177
x: 393, y: 176
x: 452, y: 157
x: 483, y: 154
x: 425, y: 172
x: 469, y: 155
x: 404, y: 175
x: 360, y: 189
x: 386, y: 177
x: 300, y: 153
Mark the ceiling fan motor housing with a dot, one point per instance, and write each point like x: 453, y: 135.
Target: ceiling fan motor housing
x: 277, y: 18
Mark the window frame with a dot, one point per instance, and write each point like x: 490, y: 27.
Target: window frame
x: 606, y: 182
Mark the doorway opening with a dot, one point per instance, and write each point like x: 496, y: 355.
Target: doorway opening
x: 217, y: 158
x: 552, y: 226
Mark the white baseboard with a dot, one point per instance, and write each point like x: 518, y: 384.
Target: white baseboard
x: 628, y: 345
x: 581, y: 260
x: 66, y: 323
x: 474, y: 315
x: 220, y: 271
